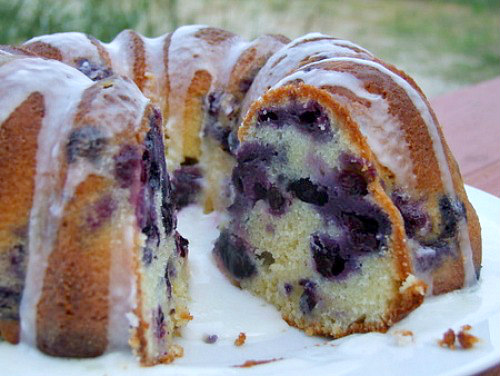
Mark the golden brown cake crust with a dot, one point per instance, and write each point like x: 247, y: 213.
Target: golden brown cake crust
x: 9, y: 331
x: 72, y: 312
x: 213, y: 35
x: 193, y: 114
x: 18, y: 147
x: 474, y: 226
x: 43, y: 49
x: 451, y: 275
x: 17, y: 50
x: 87, y: 205
x: 444, y: 278
x: 166, y: 90
x: 139, y: 59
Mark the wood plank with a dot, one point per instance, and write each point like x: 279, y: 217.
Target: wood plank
x: 470, y: 118
x: 485, y: 178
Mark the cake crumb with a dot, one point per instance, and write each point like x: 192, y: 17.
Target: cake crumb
x: 240, y: 341
x: 251, y: 363
x: 403, y: 337
x: 186, y: 316
x: 464, y: 338
x: 448, y: 339
x: 412, y: 282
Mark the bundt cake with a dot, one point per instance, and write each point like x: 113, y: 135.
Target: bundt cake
x: 344, y: 205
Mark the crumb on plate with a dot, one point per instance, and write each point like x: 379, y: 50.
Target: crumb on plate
x: 448, y: 339
x: 464, y: 338
x: 240, y: 341
x: 251, y: 363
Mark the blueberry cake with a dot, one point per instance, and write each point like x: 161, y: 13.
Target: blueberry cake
x: 344, y: 205
x: 90, y: 259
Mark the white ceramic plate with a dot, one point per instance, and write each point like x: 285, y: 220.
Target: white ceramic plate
x: 219, y: 308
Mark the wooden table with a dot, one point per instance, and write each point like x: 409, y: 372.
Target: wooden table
x: 470, y: 119
x: 471, y: 123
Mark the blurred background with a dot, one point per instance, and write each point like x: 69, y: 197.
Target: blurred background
x: 442, y: 44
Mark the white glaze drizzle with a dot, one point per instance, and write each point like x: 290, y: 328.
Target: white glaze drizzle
x: 289, y: 58
x: 265, y: 45
x: 122, y: 287
x: 154, y: 50
x: 306, y: 37
x: 118, y: 106
x: 5, y: 57
x: 121, y: 54
x: 316, y: 37
x: 470, y: 276
x: 71, y: 45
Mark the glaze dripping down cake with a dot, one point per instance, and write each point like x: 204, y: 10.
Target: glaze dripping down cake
x: 344, y: 205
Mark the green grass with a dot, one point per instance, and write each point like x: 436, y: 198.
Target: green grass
x: 23, y: 19
x: 469, y: 31
x: 444, y: 44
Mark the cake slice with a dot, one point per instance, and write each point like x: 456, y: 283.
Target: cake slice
x: 311, y: 229
x: 90, y: 259
x: 347, y: 204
